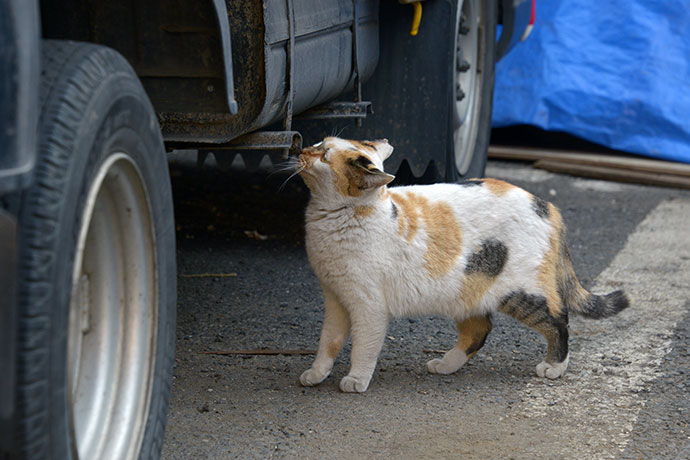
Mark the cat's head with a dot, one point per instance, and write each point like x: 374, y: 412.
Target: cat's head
x: 343, y: 171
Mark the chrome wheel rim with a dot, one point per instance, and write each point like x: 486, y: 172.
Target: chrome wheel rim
x: 468, y: 82
x: 113, y: 315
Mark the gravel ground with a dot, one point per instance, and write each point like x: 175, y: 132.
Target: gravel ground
x: 608, y: 405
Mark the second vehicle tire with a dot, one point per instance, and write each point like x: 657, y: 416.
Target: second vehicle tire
x: 473, y: 88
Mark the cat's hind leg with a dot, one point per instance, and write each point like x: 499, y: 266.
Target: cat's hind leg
x: 532, y: 310
x: 472, y: 334
x: 336, y: 327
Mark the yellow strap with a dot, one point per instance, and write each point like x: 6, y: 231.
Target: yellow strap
x: 416, y: 18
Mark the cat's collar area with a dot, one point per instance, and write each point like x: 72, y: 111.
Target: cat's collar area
x: 350, y: 213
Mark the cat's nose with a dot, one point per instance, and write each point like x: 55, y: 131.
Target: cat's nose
x: 310, y: 152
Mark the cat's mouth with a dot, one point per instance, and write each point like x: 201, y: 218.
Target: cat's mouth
x: 301, y: 164
x: 304, y: 162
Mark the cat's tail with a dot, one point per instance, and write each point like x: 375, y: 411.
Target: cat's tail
x: 574, y: 297
x: 599, y: 306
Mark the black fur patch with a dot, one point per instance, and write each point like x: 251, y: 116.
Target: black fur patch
x: 603, y: 306
x: 567, y: 287
x: 540, y: 206
x: 562, y: 350
x: 363, y: 162
x: 470, y: 182
x: 532, y: 310
x: 528, y: 308
x: 489, y: 259
x: 395, y: 210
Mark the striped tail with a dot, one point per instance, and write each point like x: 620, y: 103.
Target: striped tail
x: 582, y: 302
x: 599, y: 306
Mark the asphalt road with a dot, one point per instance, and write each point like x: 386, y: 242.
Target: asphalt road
x: 624, y: 396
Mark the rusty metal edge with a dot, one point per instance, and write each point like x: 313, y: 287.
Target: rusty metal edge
x: 224, y: 28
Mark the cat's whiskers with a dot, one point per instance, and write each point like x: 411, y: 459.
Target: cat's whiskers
x: 339, y: 132
x: 291, y: 164
x: 297, y: 171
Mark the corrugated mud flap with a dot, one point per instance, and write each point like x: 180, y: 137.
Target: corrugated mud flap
x: 411, y: 89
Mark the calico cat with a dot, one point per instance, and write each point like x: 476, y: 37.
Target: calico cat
x: 461, y: 250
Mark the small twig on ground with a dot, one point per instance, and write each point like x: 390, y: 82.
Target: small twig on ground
x: 258, y: 352
x: 433, y: 350
x: 253, y: 234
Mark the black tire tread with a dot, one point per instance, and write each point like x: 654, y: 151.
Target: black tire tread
x: 39, y: 218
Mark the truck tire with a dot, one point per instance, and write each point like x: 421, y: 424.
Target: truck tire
x: 97, y: 270
x: 473, y: 88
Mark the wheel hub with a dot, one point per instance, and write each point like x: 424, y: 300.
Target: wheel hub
x: 468, y: 80
x: 113, y: 317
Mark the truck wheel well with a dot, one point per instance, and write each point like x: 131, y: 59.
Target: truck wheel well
x: 177, y: 51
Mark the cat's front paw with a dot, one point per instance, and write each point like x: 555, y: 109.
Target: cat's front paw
x: 351, y: 384
x: 552, y: 370
x: 312, y: 377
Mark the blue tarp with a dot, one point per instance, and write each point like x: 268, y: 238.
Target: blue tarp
x: 616, y: 73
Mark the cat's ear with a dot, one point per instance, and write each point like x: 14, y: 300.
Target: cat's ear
x: 383, y: 148
x: 371, y: 176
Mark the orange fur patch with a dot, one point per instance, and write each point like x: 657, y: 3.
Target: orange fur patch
x: 498, y: 187
x: 444, y: 237
x: 548, y: 269
x: 363, y: 211
x: 408, y: 216
x: 578, y: 294
x: 313, y: 151
x: 347, y: 179
x: 333, y: 349
x: 472, y: 333
x: 364, y: 146
x: 474, y: 288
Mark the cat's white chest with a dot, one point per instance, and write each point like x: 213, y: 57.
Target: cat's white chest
x: 346, y: 253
